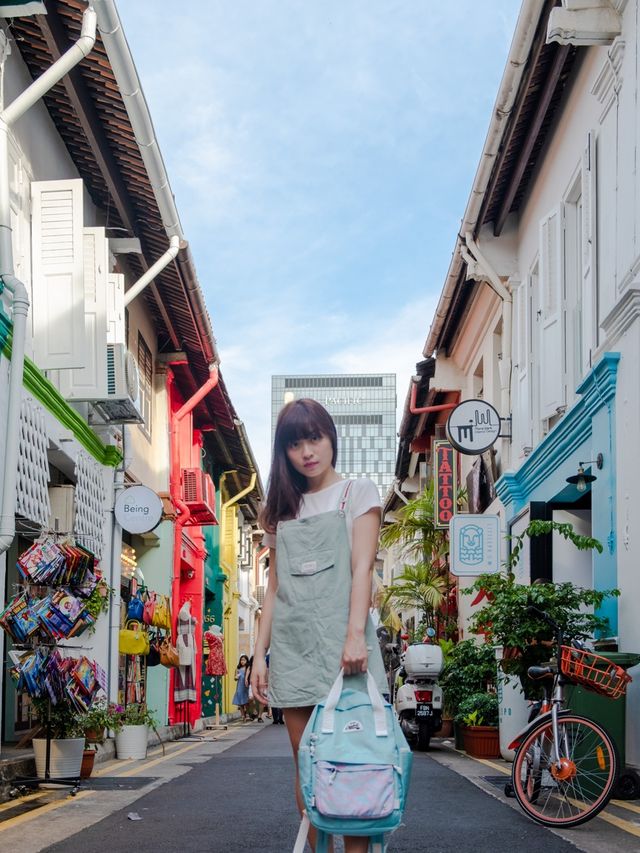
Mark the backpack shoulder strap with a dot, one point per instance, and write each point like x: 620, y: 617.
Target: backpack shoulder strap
x: 301, y: 839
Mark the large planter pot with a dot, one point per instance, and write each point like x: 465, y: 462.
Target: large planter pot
x: 513, y: 709
x: 481, y: 741
x: 131, y: 742
x: 65, y: 757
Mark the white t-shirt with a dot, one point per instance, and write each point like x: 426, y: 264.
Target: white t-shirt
x: 363, y: 496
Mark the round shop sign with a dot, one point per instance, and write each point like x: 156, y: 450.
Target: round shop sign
x: 473, y: 427
x: 138, y: 509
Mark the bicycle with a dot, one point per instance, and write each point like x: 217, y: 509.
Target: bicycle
x: 566, y: 765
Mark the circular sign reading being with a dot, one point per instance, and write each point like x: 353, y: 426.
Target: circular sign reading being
x: 473, y: 427
x: 138, y: 509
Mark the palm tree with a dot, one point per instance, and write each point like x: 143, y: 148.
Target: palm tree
x: 415, y: 531
x: 422, y: 586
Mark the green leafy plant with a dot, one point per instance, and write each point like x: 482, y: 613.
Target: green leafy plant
x: 421, y: 586
x: 99, y: 601
x: 96, y: 719
x: 478, y: 709
x: 538, y: 527
x: 134, y: 714
x: 61, y: 717
x: 470, y: 669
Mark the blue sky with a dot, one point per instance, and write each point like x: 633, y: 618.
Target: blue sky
x: 321, y: 153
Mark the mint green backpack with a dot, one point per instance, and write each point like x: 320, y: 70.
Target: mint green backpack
x: 354, y: 765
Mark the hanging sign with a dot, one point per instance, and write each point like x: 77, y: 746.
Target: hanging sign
x: 474, y: 545
x: 138, y: 509
x: 445, y: 483
x: 473, y: 427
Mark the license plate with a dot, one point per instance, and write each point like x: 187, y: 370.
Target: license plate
x: 423, y: 711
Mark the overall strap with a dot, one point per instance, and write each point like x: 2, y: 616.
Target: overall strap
x: 344, y: 498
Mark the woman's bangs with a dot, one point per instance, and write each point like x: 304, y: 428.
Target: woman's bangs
x: 298, y: 425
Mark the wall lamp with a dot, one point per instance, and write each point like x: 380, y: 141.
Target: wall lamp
x: 581, y: 479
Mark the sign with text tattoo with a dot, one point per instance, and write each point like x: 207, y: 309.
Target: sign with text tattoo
x: 445, y: 483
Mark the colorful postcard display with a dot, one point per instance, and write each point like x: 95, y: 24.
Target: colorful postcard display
x: 49, y: 675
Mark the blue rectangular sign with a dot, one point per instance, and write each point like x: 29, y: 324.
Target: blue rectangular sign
x: 474, y: 543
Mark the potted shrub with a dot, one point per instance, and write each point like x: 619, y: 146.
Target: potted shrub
x: 94, y: 722
x: 469, y: 670
x: 478, y: 715
x: 131, y: 724
x: 67, y: 740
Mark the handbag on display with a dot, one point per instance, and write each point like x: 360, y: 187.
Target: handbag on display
x: 153, y: 658
x: 133, y: 639
x: 149, y: 608
x: 135, y: 608
x: 161, y: 612
x: 168, y: 653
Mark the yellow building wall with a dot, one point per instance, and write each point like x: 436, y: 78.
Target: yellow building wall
x: 229, y: 564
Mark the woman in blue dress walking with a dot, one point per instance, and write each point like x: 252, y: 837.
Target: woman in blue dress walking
x: 241, y: 696
x: 322, y: 532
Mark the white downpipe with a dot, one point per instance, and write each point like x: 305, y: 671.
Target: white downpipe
x: 20, y: 295
x: 153, y: 271
x: 496, y: 284
x: 56, y: 72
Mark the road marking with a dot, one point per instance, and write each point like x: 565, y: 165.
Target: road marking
x: 123, y: 763
x: 11, y: 804
x: 621, y: 823
x: 23, y: 818
x: 148, y: 764
x: 625, y: 805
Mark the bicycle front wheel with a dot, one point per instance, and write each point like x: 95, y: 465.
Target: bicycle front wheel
x: 573, y: 790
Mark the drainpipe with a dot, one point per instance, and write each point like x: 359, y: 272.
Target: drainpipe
x: 175, y: 244
x: 20, y: 296
x: 475, y: 258
x: 421, y: 410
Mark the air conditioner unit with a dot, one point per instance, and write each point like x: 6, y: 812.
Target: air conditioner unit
x: 62, y: 501
x: 122, y: 400
x: 199, y: 494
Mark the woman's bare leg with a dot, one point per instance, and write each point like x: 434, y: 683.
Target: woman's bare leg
x: 296, y: 719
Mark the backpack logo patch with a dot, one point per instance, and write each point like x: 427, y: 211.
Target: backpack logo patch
x: 353, y: 726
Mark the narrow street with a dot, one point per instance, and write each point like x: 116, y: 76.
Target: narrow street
x: 231, y: 792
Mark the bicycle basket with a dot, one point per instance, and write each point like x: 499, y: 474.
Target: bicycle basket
x: 594, y: 672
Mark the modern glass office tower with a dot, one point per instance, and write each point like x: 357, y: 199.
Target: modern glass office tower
x: 363, y: 407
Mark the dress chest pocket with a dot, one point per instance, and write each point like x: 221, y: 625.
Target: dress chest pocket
x: 312, y: 572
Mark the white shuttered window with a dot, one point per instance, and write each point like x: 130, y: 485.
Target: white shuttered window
x: 552, y: 367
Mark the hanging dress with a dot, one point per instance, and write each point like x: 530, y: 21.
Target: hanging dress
x: 311, y: 609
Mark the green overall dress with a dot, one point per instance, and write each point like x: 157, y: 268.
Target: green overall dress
x: 311, y: 609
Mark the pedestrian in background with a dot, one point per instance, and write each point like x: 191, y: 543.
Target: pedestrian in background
x: 241, y: 696
x: 322, y: 532
x: 255, y: 708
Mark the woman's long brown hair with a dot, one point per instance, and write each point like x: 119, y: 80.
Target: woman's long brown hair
x: 297, y: 420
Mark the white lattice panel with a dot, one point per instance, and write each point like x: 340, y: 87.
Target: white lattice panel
x: 90, y: 499
x: 32, y: 499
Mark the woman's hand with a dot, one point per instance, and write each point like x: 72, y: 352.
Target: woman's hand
x: 260, y: 680
x: 354, y: 654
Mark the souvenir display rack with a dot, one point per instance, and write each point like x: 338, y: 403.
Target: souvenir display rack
x: 58, y: 577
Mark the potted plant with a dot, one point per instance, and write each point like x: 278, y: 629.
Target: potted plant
x: 88, y: 759
x: 446, y: 730
x: 131, y: 724
x: 66, y: 739
x: 94, y: 722
x: 469, y: 670
x: 478, y: 715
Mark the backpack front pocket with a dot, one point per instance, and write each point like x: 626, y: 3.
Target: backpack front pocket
x: 363, y: 791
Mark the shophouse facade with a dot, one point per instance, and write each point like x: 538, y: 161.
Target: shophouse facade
x: 120, y: 383
x: 363, y: 407
x: 538, y: 315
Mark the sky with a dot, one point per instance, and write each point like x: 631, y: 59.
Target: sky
x: 321, y: 153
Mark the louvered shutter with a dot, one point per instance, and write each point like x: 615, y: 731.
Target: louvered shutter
x: 115, y: 309
x: 58, y: 287
x: 551, y: 358
x: 91, y: 380
x: 522, y: 426
x: 589, y: 265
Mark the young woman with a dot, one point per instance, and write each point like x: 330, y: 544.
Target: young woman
x: 241, y: 696
x: 322, y: 532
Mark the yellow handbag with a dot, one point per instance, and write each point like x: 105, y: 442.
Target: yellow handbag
x: 162, y: 612
x: 133, y: 639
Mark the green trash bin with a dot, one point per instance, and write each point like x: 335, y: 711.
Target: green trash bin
x: 611, y: 714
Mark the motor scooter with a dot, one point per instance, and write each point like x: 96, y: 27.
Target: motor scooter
x: 418, y: 702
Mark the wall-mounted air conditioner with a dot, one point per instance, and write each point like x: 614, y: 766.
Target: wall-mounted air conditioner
x: 62, y: 501
x: 121, y: 402
x: 199, y: 494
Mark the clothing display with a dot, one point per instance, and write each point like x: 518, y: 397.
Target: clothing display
x: 311, y: 608
x: 216, y: 664
x: 185, y: 685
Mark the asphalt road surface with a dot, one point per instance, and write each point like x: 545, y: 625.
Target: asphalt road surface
x: 243, y: 800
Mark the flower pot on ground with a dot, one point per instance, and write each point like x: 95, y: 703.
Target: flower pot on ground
x: 478, y: 715
x: 447, y: 727
x: 94, y: 722
x: 88, y: 759
x: 131, y: 742
x: 65, y: 757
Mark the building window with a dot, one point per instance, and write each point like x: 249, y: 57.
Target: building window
x: 145, y: 366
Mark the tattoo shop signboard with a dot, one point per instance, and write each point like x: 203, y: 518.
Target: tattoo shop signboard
x: 445, y: 483
x: 474, y: 545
